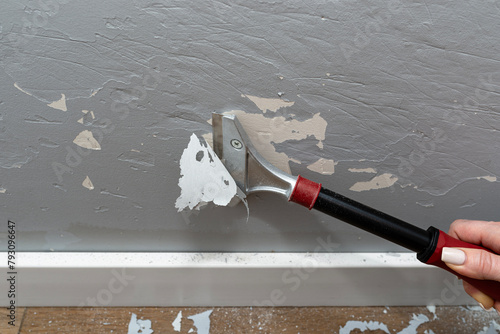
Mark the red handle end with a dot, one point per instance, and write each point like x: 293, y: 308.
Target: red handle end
x: 305, y: 192
x: 491, y: 288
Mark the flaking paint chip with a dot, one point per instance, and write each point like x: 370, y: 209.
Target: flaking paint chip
x: 204, y: 178
x: 59, y: 104
x: 323, y: 166
x: 269, y: 104
x: 86, y: 139
x: 87, y: 183
x: 385, y: 180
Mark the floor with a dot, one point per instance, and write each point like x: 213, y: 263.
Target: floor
x: 343, y: 320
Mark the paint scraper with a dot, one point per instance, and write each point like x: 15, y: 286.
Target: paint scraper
x: 252, y: 173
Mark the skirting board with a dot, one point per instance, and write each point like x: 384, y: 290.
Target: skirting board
x: 227, y: 279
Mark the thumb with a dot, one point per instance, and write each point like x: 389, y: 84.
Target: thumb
x: 473, y: 263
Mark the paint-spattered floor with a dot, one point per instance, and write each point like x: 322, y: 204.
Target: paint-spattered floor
x: 343, y: 320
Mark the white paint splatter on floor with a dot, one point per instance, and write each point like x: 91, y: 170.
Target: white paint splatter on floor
x: 492, y: 329
x: 414, y: 324
x: 432, y: 309
x: 138, y: 326
x: 202, y: 322
x: 177, y: 322
x: 363, y: 325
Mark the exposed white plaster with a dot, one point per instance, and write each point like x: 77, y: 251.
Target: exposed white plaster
x: 80, y: 120
x: 264, y: 132
x: 177, y: 322
x: 363, y: 170
x: 86, y: 139
x: 59, y: 104
x: 203, y: 177
x: 87, y: 183
x: 22, y: 90
x: 378, y: 182
x: 3, y: 190
x: 138, y: 326
x: 323, y: 166
x: 268, y: 104
x: 202, y: 322
x: 489, y: 178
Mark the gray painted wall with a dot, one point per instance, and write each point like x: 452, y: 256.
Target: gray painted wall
x: 408, y: 88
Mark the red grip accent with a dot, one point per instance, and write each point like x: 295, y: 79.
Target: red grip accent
x: 305, y: 192
x: 491, y: 288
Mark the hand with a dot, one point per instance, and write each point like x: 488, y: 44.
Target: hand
x: 476, y: 263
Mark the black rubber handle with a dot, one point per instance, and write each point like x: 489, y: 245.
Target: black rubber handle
x: 372, y: 220
x: 427, y: 243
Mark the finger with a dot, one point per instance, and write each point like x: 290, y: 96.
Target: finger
x: 485, y: 301
x: 474, y: 263
x: 485, y: 233
x: 497, y: 306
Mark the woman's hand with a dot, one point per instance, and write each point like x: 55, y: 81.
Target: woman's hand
x: 476, y: 263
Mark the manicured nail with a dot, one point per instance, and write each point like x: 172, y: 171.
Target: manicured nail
x: 484, y: 308
x: 453, y: 256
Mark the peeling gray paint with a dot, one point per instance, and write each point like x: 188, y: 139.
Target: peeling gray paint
x: 407, y: 88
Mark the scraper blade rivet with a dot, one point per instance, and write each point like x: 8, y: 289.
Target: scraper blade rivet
x: 236, y: 144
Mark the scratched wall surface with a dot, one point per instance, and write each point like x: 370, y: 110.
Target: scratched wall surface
x: 98, y: 99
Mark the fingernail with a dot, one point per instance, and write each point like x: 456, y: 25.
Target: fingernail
x: 484, y: 308
x: 453, y: 256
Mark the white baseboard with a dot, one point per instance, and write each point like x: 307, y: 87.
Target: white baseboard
x: 228, y: 279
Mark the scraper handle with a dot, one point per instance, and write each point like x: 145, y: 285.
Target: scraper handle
x: 428, y: 244
x: 311, y: 195
x: 432, y: 255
